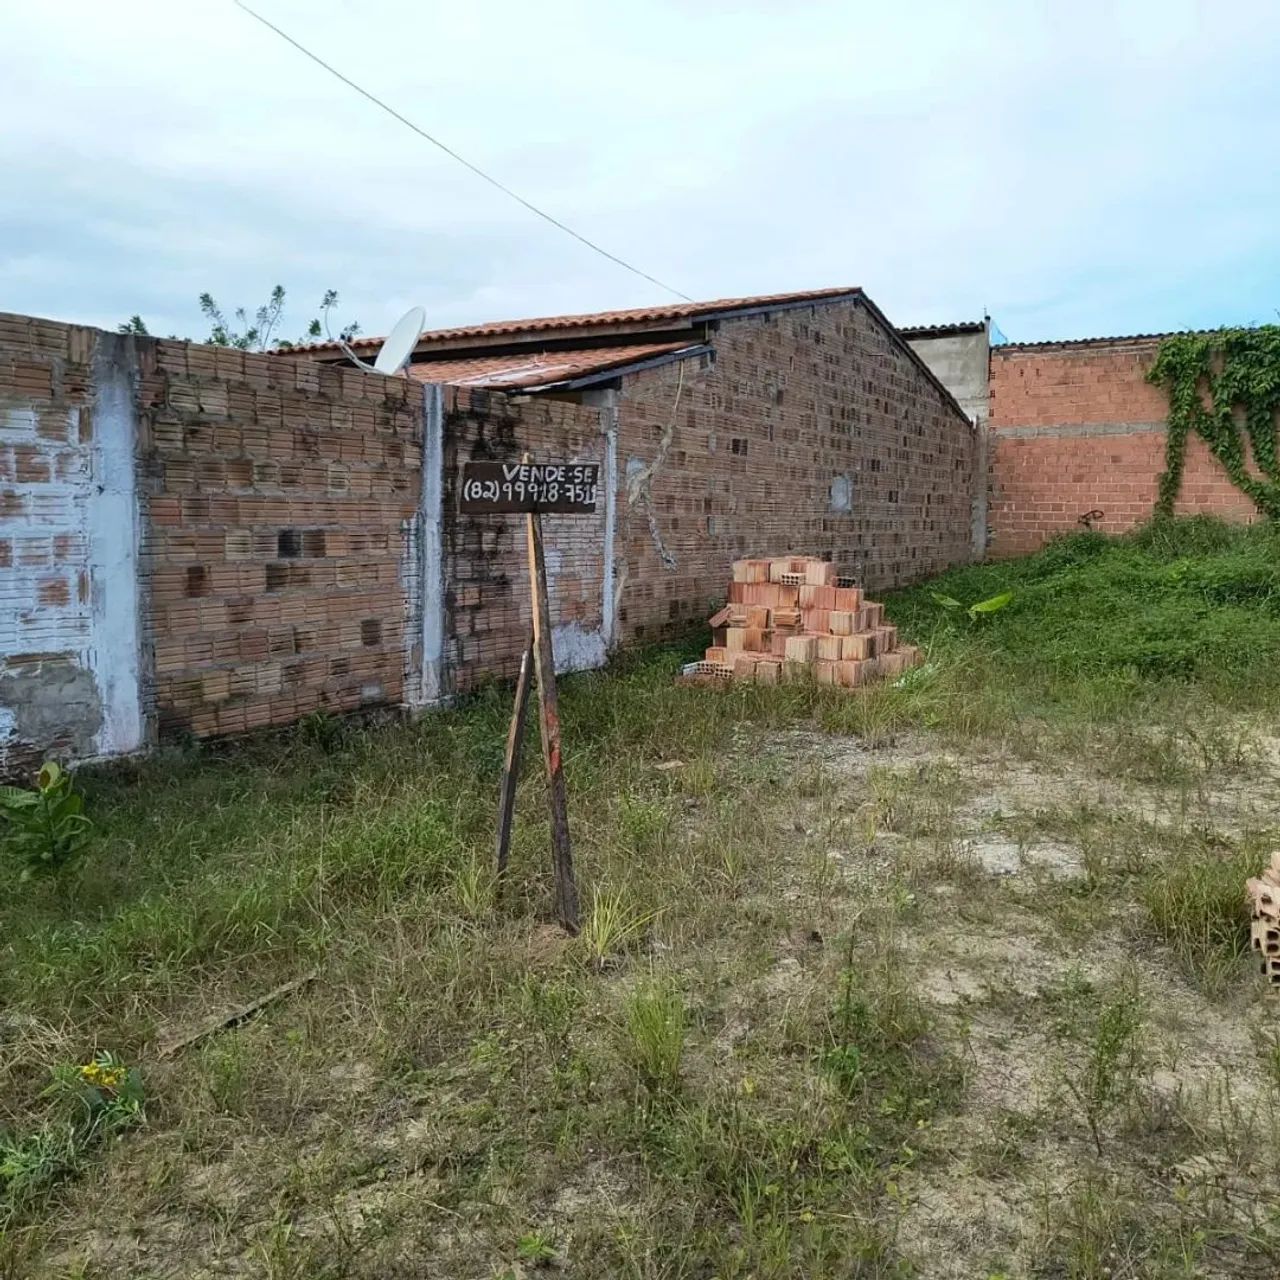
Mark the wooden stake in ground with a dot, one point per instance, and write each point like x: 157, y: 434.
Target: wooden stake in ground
x: 567, y: 488
x: 566, y: 889
x: 511, y: 761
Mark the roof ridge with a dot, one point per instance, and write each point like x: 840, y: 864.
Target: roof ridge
x: 547, y: 324
x: 1108, y: 337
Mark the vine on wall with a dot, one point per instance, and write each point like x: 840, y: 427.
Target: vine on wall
x: 1224, y: 386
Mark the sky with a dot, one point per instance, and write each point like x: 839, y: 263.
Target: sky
x: 1072, y: 167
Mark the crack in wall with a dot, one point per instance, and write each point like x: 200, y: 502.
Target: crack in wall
x: 640, y: 484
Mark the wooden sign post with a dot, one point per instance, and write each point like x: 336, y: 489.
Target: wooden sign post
x: 533, y: 488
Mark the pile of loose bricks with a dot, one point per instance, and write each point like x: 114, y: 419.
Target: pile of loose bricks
x: 794, y: 618
x: 1264, y: 932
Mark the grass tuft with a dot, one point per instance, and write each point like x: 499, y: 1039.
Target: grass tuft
x: 1197, y: 905
x: 655, y: 1033
x: 611, y: 925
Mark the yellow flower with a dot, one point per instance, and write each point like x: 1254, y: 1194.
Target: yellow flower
x: 101, y: 1076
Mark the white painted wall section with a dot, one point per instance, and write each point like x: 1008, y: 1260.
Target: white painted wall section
x: 70, y: 653
x: 113, y: 533
x: 431, y: 546
x: 609, y: 490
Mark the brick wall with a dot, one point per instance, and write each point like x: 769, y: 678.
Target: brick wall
x: 278, y: 501
x: 200, y: 540
x: 814, y: 432
x: 1077, y: 428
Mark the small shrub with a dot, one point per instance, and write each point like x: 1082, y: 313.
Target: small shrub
x: 47, y: 827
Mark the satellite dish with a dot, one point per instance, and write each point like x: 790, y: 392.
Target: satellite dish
x: 397, y: 347
x: 401, y: 341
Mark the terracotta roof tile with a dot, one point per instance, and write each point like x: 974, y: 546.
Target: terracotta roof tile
x: 537, y: 369
x: 1105, y: 340
x: 938, y: 330
x: 639, y: 315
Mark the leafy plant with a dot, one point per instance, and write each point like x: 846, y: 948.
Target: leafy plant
x: 46, y: 826
x: 537, y: 1248
x: 108, y: 1094
x: 979, y: 609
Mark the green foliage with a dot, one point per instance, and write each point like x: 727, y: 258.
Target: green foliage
x: 1224, y: 387
x: 537, y: 1248
x: 1098, y: 622
x: 47, y: 827
x: 612, y: 924
x: 105, y: 1094
x: 1197, y: 905
x: 1107, y: 1076
x: 258, y: 334
x: 238, y: 332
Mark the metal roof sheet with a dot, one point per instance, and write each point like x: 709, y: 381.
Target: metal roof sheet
x: 538, y: 369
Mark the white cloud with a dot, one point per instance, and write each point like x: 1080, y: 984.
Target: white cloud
x: 1075, y: 168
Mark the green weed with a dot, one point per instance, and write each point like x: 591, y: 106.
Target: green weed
x: 1110, y: 1065
x: 88, y: 1103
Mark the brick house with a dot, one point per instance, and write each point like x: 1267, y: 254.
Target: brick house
x: 209, y: 541
x: 794, y: 421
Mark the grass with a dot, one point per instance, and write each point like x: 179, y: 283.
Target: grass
x: 1101, y: 623
x: 1197, y: 908
x: 654, y: 1043
x: 779, y: 1046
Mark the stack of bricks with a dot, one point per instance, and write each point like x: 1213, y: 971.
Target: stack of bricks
x: 1264, y: 897
x: 795, y: 619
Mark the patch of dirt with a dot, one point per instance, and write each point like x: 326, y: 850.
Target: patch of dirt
x: 1002, y: 856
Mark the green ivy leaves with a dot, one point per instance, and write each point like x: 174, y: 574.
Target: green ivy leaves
x: 1225, y: 387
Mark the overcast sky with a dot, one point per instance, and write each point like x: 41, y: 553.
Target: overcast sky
x: 1073, y: 167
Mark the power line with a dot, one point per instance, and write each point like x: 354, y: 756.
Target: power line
x: 449, y: 151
